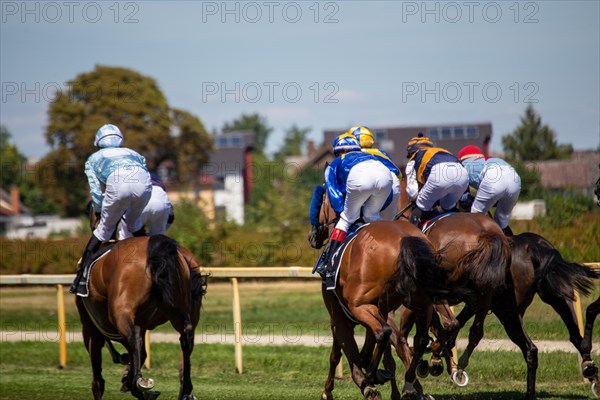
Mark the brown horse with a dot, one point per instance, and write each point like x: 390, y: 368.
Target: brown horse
x: 538, y: 268
x: 385, y: 265
x: 476, y: 253
x: 136, y: 285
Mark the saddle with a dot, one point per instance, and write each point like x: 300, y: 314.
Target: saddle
x: 337, y: 256
x: 83, y: 289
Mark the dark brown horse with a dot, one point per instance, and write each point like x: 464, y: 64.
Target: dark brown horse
x: 588, y: 366
x: 538, y: 268
x: 138, y: 284
x: 476, y: 253
x: 385, y: 265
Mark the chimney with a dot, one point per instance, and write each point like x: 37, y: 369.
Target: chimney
x: 310, y: 148
x: 15, y: 200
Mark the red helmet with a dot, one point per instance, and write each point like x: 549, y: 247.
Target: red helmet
x: 469, y: 152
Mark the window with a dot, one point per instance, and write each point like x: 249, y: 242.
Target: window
x: 433, y: 133
x: 380, y: 135
x: 472, y: 132
x: 222, y: 141
x: 459, y: 133
x: 236, y: 141
x: 446, y: 133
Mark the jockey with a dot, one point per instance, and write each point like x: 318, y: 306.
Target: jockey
x: 496, y: 182
x: 123, y: 174
x: 366, y: 140
x: 157, y: 216
x: 355, y: 180
x: 432, y: 174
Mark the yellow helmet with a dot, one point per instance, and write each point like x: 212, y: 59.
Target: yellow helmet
x: 363, y: 135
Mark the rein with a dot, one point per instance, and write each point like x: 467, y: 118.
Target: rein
x: 401, y: 212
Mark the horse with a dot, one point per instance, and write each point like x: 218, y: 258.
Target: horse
x: 386, y: 264
x: 538, y: 268
x: 587, y: 366
x: 136, y: 285
x: 476, y: 253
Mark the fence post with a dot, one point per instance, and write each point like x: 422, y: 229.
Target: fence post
x: 62, y: 328
x: 237, y: 326
x: 578, y: 314
x: 148, y: 362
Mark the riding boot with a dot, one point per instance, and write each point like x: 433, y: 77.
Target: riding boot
x: 92, y: 246
x: 507, y: 231
x: 337, y: 238
x: 139, y: 233
x: 415, y: 217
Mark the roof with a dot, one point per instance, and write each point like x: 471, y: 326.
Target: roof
x: 581, y: 171
x: 6, y: 206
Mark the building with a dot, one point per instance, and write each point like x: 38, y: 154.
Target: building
x: 230, y: 173
x: 18, y: 222
x: 579, y: 173
x: 394, y: 140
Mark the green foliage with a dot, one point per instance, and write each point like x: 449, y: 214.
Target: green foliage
x: 191, y: 229
x: 563, y: 208
x: 293, y: 142
x: 255, y: 123
x: 193, y: 145
x: 38, y: 256
x: 14, y: 171
x: 533, y: 141
x: 531, y: 184
x: 135, y: 104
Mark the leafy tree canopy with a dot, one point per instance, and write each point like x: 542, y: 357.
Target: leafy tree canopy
x: 135, y: 104
x: 293, y: 142
x: 533, y: 141
x: 255, y: 123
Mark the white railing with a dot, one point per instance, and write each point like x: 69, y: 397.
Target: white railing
x: 231, y: 273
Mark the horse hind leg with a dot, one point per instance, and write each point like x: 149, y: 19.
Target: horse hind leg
x: 334, y: 359
x: 135, y: 343
x: 186, y: 341
x: 93, y: 341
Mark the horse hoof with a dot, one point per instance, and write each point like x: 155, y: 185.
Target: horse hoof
x: 189, y: 397
x: 422, y: 369
x: 326, y: 396
x: 436, y: 369
x: 145, y: 384
x: 589, y: 369
x: 371, y: 393
x: 460, y: 378
x: 596, y: 390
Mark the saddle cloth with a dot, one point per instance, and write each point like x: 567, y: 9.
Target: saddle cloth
x: 430, y: 222
x: 83, y: 289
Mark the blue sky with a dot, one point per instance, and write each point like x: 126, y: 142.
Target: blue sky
x: 317, y: 64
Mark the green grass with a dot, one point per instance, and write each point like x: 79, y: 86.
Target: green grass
x: 289, y: 307
x: 28, y: 370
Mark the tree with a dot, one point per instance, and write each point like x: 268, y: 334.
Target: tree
x: 16, y: 172
x: 137, y: 106
x: 533, y: 141
x: 193, y: 145
x: 255, y: 123
x: 293, y: 142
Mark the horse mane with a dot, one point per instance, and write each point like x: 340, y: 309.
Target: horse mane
x: 163, y: 264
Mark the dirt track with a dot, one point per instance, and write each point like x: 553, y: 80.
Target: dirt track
x: 544, y: 346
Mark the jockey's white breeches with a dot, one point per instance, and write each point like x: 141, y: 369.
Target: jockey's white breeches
x: 447, y: 181
x: 500, y: 184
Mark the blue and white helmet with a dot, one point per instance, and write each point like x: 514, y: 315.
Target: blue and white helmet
x: 109, y: 136
x: 345, y: 143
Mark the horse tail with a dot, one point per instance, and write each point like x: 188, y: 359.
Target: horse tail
x: 164, y: 267
x: 418, y: 266
x: 554, y: 275
x: 487, y: 265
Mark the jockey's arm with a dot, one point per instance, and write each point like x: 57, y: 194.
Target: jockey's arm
x: 95, y: 186
x: 412, y: 185
x: 336, y: 197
